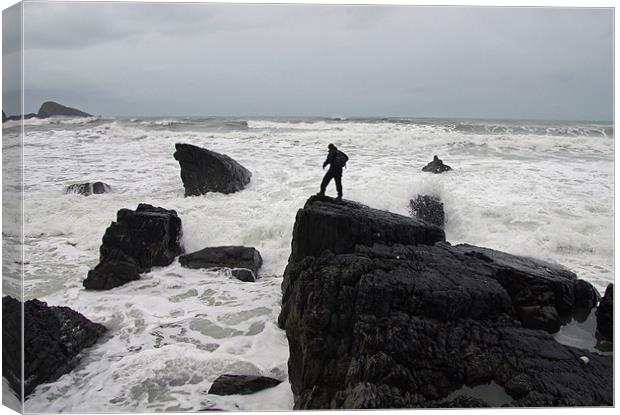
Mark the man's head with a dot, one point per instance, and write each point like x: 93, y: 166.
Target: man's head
x: 435, y: 158
x: 331, y: 147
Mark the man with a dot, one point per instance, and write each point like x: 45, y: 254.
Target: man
x: 336, y: 160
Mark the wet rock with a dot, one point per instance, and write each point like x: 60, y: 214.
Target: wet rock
x: 245, y: 260
x: 88, y: 189
x: 19, y: 117
x: 339, y: 225
x: 429, y: 209
x: 241, y: 384
x: 53, y: 340
x: 586, y: 296
x: 605, y: 315
x: 205, y: 171
x: 436, y: 166
x: 403, y: 323
x: 51, y: 109
x: 138, y: 240
x: 463, y: 401
x: 244, y: 274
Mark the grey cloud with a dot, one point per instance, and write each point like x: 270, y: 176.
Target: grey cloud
x: 198, y: 59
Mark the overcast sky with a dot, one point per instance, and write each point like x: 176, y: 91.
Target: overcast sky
x: 205, y: 59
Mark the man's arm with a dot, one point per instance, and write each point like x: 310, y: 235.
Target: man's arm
x: 330, y: 158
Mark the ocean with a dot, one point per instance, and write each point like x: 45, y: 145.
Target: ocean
x: 536, y: 188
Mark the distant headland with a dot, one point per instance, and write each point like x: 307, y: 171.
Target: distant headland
x: 48, y: 109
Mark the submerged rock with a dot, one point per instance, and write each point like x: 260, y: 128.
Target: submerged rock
x: 53, y: 338
x: 605, y: 315
x: 403, y: 321
x: 205, y: 171
x: 429, y: 209
x: 51, y: 109
x: 241, y: 384
x: 88, y: 189
x: 245, y: 260
x: 138, y: 240
x: 436, y: 166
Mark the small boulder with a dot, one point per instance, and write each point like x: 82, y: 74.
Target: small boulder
x: 241, y: 384
x: 51, y: 109
x: 53, y: 337
x: 138, y: 240
x: 205, y: 171
x: 436, y: 166
x: 605, y: 315
x: 244, y: 274
x: 88, y: 189
x: 245, y: 260
x: 429, y: 209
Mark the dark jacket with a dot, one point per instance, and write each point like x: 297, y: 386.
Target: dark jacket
x: 331, y: 159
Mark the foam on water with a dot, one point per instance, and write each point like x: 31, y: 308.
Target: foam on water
x: 174, y: 331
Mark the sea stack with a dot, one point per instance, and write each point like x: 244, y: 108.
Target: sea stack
x: 52, y: 109
x: 204, y: 171
x: 395, y: 317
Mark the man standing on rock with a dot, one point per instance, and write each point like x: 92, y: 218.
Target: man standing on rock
x: 336, y: 160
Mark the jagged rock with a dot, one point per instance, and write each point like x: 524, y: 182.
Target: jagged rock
x: 242, y: 258
x: 205, y: 171
x: 605, y: 315
x: 339, y: 225
x: 51, y: 109
x: 88, y: 189
x: 241, y: 384
x: 436, y: 166
x: 138, y: 240
x: 586, y: 296
x: 428, y: 208
x: 404, y: 322
x: 53, y: 340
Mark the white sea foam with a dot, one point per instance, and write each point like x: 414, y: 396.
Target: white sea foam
x: 173, y: 332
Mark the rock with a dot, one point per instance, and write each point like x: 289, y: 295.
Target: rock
x: 338, y: 226
x: 138, y: 240
x: 397, y: 324
x: 205, y: 171
x: 4, y: 117
x: 429, y: 209
x: 88, y: 189
x: 605, y: 315
x: 244, y: 274
x: 241, y: 384
x: 436, y: 166
x: 53, y: 340
x: 463, y: 401
x: 19, y: 117
x: 241, y: 257
x: 51, y: 109
x: 586, y: 296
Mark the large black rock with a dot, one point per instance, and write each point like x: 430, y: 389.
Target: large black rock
x: 88, y: 189
x: 436, y: 166
x: 429, y: 209
x: 138, y: 240
x: 339, y: 225
x: 205, y: 171
x: 394, y: 323
x: 241, y: 384
x: 53, y: 338
x: 605, y: 315
x: 236, y: 257
x: 51, y: 109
